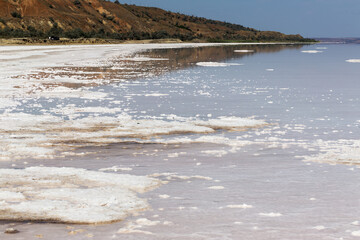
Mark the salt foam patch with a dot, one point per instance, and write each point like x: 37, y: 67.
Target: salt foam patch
x: 115, y: 169
x: 70, y: 195
x: 320, y: 227
x: 311, y: 51
x: 216, y: 187
x: 217, y: 64
x: 353, y: 60
x: 242, y: 206
x: 337, y: 152
x: 133, y: 227
x: 271, y: 214
x: 243, y: 51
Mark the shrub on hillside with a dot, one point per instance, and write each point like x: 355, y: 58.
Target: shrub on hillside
x: 16, y: 15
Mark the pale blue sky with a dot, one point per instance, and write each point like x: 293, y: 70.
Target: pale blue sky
x: 310, y: 18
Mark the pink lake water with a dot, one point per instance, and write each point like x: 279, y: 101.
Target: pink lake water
x: 249, y: 141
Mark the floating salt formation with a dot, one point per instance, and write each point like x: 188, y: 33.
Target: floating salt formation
x: 271, y: 214
x: 11, y: 231
x: 70, y: 195
x: 217, y: 64
x: 244, y: 51
x: 41, y: 136
x: 311, y: 51
x: 242, y: 206
x: 353, y: 60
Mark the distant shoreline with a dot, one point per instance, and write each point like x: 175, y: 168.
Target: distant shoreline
x: 339, y: 40
x: 99, y: 41
x: 79, y: 41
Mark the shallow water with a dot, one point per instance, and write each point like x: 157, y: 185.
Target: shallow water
x: 243, y: 140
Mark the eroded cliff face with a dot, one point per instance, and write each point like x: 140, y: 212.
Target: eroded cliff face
x: 67, y: 14
x: 81, y: 17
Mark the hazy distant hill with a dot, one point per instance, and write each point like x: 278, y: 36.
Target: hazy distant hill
x: 104, y: 19
x: 339, y: 40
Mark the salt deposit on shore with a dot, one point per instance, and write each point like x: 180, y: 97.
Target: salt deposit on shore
x: 70, y: 195
x: 46, y: 74
x: 226, y: 144
x: 42, y: 136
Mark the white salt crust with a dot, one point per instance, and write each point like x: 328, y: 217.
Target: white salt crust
x: 70, y: 195
x: 38, y: 75
x: 243, y: 51
x: 353, y: 60
x: 217, y: 64
x: 241, y: 206
x: 311, y: 51
x: 42, y: 136
x: 46, y: 73
x: 341, y: 151
x: 216, y: 187
x: 271, y: 214
x: 25, y: 135
x: 7, y: 103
